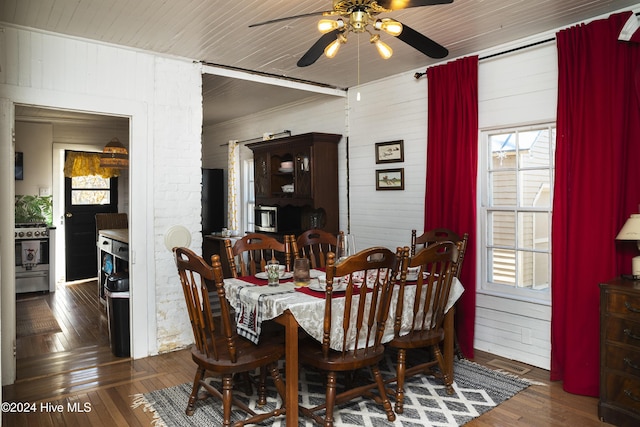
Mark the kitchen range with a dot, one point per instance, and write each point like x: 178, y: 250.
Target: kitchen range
x: 33, y: 257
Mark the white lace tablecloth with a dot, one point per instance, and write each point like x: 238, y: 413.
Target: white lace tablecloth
x: 254, y: 304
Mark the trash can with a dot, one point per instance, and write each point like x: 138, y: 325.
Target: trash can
x: 117, y: 294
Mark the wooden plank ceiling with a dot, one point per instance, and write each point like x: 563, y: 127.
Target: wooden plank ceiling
x: 217, y: 32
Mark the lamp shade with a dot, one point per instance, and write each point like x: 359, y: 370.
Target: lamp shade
x: 114, y: 155
x: 630, y: 229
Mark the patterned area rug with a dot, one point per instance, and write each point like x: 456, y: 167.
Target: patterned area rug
x: 34, y: 317
x: 477, y: 390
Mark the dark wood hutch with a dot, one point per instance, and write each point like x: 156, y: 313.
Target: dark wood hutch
x: 306, y: 193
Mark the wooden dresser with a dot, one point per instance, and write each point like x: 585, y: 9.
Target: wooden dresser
x: 620, y: 352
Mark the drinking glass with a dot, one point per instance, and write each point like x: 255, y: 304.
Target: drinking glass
x: 346, y: 246
x: 273, y: 273
x: 301, y: 275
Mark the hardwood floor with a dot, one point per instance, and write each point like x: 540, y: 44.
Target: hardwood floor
x: 76, y: 370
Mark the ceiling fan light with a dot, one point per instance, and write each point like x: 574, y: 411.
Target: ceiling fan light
x: 326, y: 25
x: 383, y: 49
x: 332, y: 49
x: 389, y: 26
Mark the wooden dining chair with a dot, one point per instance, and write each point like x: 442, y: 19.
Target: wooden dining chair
x: 353, y: 328
x: 441, y: 235
x: 314, y: 244
x: 249, y: 255
x: 419, y: 318
x: 218, y: 349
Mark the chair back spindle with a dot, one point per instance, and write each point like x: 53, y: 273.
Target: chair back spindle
x: 369, y: 277
x: 314, y: 244
x: 441, y: 235
x: 250, y: 254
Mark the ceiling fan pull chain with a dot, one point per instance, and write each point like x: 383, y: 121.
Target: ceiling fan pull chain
x: 358, y: 93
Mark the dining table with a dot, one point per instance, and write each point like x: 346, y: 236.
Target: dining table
x: 302, y: 307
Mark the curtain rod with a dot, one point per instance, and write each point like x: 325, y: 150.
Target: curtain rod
x: 261, y: 138
x: 515, y: 49
x: 418, y: 75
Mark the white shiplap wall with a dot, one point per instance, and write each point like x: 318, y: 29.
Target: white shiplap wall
x: 163, y: 99
x: 388, y: 110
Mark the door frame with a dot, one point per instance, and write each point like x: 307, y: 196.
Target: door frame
x: 7, y: 245
x: 141, y: 216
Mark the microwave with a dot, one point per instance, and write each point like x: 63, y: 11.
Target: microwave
x: 266, y: 218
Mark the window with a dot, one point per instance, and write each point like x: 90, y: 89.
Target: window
x: 90, y: 190
x: 516, y: 212
x: 249, y: 196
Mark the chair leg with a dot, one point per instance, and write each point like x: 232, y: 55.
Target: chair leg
x: 279, y: 383
x: 456, y: 347
x: 391, y: 416
x: 400, y: 373
x: 243, y: 383
x: 194, y: 391
x: 446, y: 378
x: 262, y: 388
x: 330, y: 399
x: 227, y: 399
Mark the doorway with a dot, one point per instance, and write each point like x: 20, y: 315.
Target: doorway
x: 82, y: 340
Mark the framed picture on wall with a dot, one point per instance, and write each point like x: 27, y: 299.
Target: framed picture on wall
x: 390, y: 179
x: 390, y: 152
x: 19, y: 167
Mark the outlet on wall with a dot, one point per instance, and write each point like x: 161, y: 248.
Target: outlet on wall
x: 44, y: 191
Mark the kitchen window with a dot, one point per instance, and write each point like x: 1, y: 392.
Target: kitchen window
x: 515, y: 219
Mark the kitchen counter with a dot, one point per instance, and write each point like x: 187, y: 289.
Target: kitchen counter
x: 119, y: 234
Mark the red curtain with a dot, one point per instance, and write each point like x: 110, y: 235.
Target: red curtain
x: 452, y: 159
x: 597, y: 186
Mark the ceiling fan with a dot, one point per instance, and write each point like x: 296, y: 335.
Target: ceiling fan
x: 359, y: 16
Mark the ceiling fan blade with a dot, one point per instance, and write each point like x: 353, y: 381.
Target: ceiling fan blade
x: 317, y: 49
x: 422, y: 43
x: 405, y: 4
x: 304, y: 15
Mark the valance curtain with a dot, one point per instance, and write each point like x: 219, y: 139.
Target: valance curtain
x: 452, y: 159
x: 597, y: 186
x: 86, y: 164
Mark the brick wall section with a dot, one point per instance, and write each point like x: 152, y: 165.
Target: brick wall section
x: 177, y: 190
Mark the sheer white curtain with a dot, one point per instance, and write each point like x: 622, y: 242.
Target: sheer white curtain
x: 233, y: 190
